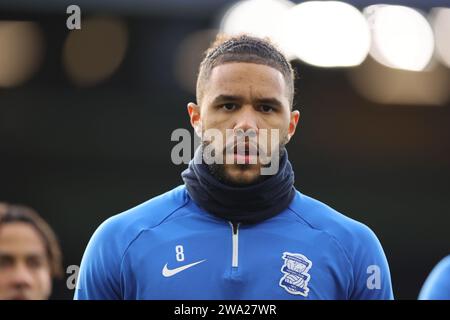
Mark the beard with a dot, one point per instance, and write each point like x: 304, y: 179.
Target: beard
x: 219, y: 171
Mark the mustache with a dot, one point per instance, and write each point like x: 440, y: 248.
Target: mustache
x: 263, y: 141
x: 247, y: 147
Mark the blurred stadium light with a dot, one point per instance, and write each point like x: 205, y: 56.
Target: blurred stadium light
x: 335, y: 34
x: 401, y: 37
x: 440, y: 21
x: 327, y: 34
x: 93, y: 54
x: 260, y: 18
x: 385, y: 85
x: 21, y: 53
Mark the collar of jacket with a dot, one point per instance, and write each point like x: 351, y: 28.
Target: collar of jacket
x: 246, y: 204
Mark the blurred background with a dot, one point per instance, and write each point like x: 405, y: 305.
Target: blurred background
x: 86, y: 115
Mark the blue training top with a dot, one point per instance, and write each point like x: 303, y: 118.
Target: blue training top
x: 437, y: 285
x: 169, y: 248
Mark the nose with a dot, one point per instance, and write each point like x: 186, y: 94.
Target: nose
x: 246, y: 120
x: 21, y: 276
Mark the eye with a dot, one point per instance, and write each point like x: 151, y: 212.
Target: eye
x: 6, y: 261
x: 266, y: 108
x: 229, y: 106
x: 35, y: 262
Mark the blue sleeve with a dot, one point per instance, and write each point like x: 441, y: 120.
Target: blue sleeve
x: 437, y: 285
x: 99, y: 274
x: 372, y: 279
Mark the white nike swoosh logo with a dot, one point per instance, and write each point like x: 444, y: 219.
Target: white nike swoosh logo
x: 166, y: 272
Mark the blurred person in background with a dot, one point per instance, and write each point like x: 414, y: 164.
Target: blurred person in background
x: 30, y: 256
x: 437, y: 285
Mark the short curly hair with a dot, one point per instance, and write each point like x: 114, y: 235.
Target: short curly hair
x: 244, y: 48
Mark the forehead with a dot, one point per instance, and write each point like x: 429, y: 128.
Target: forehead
x: 242, y: 78
x: 19, y: 238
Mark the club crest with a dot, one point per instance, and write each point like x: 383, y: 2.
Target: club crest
x: 296, y: 277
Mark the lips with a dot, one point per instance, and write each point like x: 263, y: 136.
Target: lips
x: 246, y: 150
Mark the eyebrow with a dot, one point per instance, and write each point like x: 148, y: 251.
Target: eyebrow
x: 8, y: 255
x: 223, y: 97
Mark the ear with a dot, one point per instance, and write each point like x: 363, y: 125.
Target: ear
x: 295, y: 116
x: 194, y: 115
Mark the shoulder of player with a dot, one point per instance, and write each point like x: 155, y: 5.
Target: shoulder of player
x: 443, y: 267
x: 127, y: 225
x: 318, y: 215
